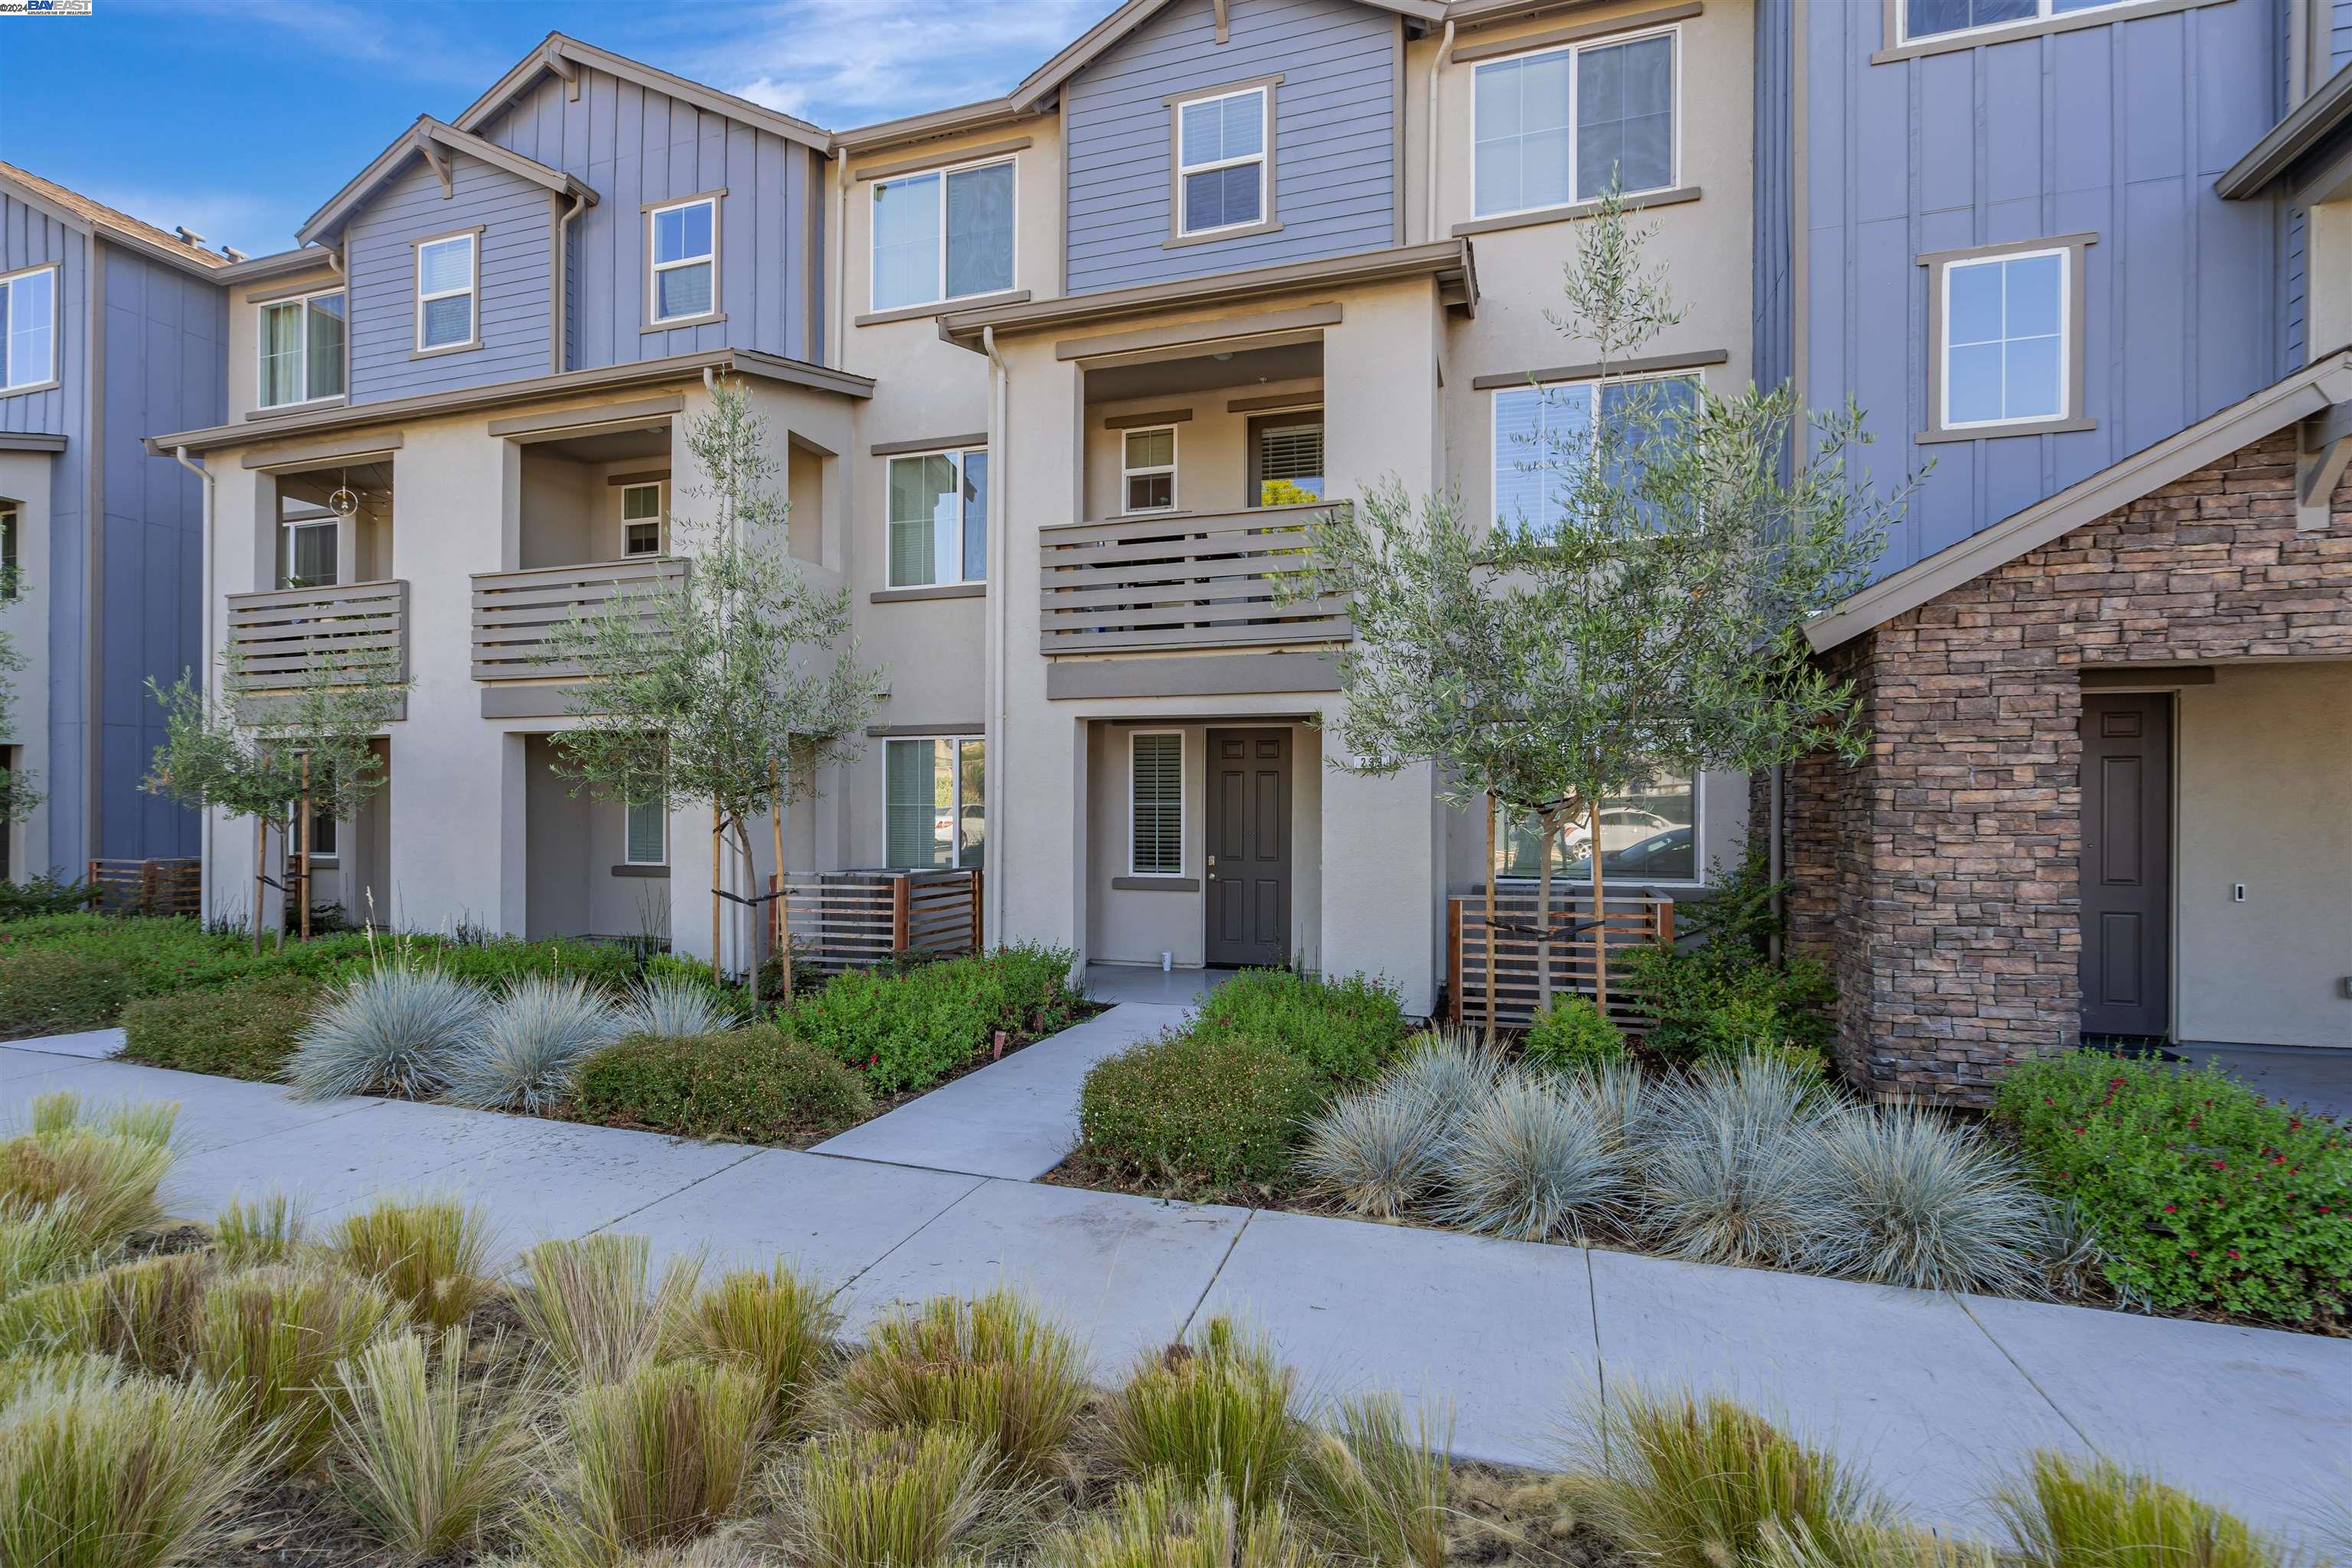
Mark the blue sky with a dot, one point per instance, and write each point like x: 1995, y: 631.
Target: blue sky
x: 240, y: 120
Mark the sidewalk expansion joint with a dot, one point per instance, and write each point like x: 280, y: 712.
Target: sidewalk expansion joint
x: 1216, y: 1274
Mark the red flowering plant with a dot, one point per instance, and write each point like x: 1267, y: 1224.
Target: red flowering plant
x: 2202, y: 1193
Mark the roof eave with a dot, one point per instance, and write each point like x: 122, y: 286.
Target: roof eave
x: 930, y: 126
x: 2308, y: 124
x: 411, y: 144
x: 105, y: 232
x: 560, y: 49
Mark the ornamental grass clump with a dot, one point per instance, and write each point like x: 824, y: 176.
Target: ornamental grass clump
x: 103, y: 1469
x: 901, y: 1498
x: 996, y: 1367
x: 435, y: 1257
x: 1929, y: 1204
x: 1375, y: 1484
x: 271, y: 1338
x: 109, y: 1180
x: 589, y: 1300
x: 1530, y: 1164
x: 430, y: 1454
x: 671, y: 1008
x: 251, y: 1231
x: 399, y: 1029
x: 146, y: 1314
x: 40, y: 1244
x: 1680, y: 1481
x: 2070, y: 1513
x: 1376, y: 1152
x: 1730, y: 1168
x: 527, y: 1052
x: 658, y: 1457
x: 775, y: 1324
x: 1162, y: 1522
x: 1449, y: 1070
x: 1213, y: 1408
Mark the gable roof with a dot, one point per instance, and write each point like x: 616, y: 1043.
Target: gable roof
x: 564, y: 55
x: 2321, y: 384
x: 418, y: 141
x: 1082, y: 51
x: 88, y: 214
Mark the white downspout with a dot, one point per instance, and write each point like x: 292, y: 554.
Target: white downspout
x: 999, y: 552
x: 1428, y: 167
x: 204, y: 641
x: 841, y: 273
x: 563, y: 275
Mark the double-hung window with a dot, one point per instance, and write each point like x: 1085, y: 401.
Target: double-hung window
x: 447, y: 273
x: 1941, y: 18
x: 938, y: 519
x: 1544, y: 435
x: 945, y: 234
x: 682, y: 281
x: 935, y: 804
x: 1557, y: 126
x: 2008, y: 327
x: 1222, y: 145
x: 641, y: 519
x: 301, y: 344
x: 1156, y: 803
x: 1148, y: 470
x: 28, y: 312
x: 645, y: 834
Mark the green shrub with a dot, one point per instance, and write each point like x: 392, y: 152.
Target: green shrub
x: 1198, y: 1109
x: 746, y: 1086
x: 243, y: 1029
x: 1725, y: 1001
x: 43, y: 895
x: 1574, y: 1034
x: 909, y: 1028
x: 51, y: 991
x: 1346, y: 1030
x: 2200, y: 1192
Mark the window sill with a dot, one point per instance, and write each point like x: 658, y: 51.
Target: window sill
x: 708, y: 319
x: 930, y: 591
x: 641, y: 871
x: 1155, y: 884
x: 942, y: 308
x: 288, y: 410
x: 446, y: 349
x: 48, y: 385
x: 1574, y: 210
x: 1998, y: 432
x: 1251, y: 231
x: 2039, y: 27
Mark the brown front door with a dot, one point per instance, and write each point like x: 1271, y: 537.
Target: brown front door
x: 1249, y: 846
x: 2127, y: 864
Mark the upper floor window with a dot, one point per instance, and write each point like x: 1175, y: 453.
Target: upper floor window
x: 447, y: 271
x: 1941, y: 18
x: 1222, y: 145
x: 1148, y: 470
x: 2008, y: 339
x: 1545, y: 434
x: 1556, y: 127
x: 28, y: 306
x: 683, y: 278
x: 641, y: 519
x: 938, y: 519
x: 310, y: 554
x: 946, y: 233
x: 1287, y: 459
x: 301, y: 346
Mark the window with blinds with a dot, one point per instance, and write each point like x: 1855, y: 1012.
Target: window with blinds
x: 1156, y: 774
x: 935, y: 802
x: 645, y: 838
x: 1289, y: 464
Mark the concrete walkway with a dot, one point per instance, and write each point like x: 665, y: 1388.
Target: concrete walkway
x: 1934, y: 1395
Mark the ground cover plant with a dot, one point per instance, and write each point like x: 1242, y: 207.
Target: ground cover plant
x: 911, y: 1029
x: 754, y: 1085
x: 1346, y: 1029
x: 244, y: 1028
x: 2203, y: 1195
x: 605, y: 1414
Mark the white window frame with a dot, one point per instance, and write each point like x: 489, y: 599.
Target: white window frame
x: 1175, y: 454
x: 1591, y: 387
x: 12, y: 544
x: 472, y: 290
x: 1183, y: 763
x: 955, y: 807
x: 1674, y: 117
x: 261, y: 309
x: 965, y: 571
x: 1263, y: 158
x: 2066, y: 307
x: 2045, y: 11
x: 939, y: 295
x: 660, y: 488
x: 653, y: 270
x: 1697, y: 879
x: 292, y: 526
x: 662, y: 811
x: 48, y: 378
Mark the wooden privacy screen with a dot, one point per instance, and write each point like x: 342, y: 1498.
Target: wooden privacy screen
x: 147, y: 887
x: 1634, y: 921
x: 842, y: 920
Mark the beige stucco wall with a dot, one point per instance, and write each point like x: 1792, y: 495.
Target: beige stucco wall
x: 2265, y: 755
x: 1211, y: 445
x: 244, y: 327
x: 24, y: 480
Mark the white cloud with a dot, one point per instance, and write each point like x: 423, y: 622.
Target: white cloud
x: 398, y: 41
x: 258, y: 222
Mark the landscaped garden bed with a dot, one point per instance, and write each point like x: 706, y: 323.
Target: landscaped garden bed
x: 393, y: 1389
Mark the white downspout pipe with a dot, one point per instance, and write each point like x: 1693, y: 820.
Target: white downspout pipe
x: 205, y: 639
x: 841, y: 273
x: 1429, y: 166
x: 563, y: 275
x: 1000, y: 553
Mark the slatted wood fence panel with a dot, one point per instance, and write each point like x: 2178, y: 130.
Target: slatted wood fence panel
x: 846, y: 920
x: 172, y: 886
x: 277, y: 635
x: 1637, y: 920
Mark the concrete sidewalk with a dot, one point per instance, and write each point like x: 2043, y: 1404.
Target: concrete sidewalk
x: 1935, y: 1395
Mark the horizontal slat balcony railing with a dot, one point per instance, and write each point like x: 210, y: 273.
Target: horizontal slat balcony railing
x: 278, y: 636
x: 1181, y: 581
x: 1635, y: 919
x: 516, y: 614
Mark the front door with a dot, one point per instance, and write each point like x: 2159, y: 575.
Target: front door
x: 1249, y: 846
x: 2127, y: 864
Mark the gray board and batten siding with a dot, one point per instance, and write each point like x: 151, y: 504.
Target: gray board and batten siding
x: 1335, y: 188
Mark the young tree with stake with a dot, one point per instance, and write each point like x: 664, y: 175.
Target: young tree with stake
x: 725, y: 688
x: 1647, y: 621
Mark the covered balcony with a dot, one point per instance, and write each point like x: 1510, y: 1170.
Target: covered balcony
x: 333, y: 608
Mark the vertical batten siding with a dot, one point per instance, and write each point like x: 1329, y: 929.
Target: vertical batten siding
x: 31, y: 237
x: 1772, y: 305
x: 166, y: 353
x: 2340, y: 34
x: 1334, y: 138
x: 631, y: 146
x: 2119, y: 129
x: 514, y: 258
